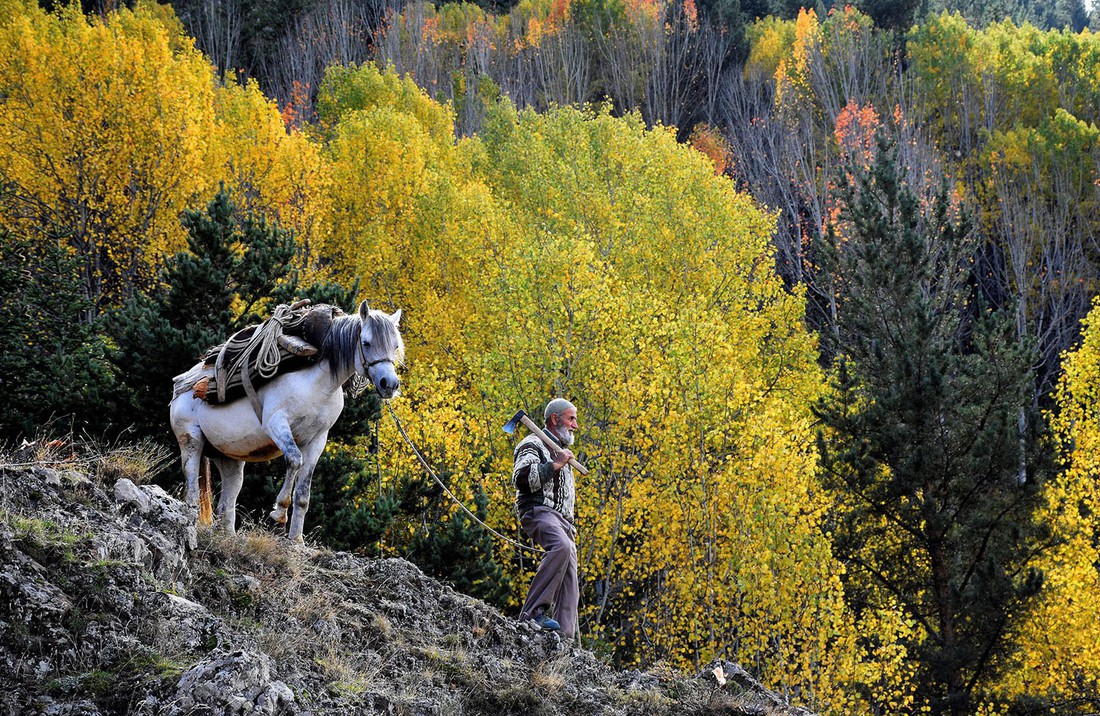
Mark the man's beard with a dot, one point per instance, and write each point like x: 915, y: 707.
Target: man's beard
x: 563, y: 434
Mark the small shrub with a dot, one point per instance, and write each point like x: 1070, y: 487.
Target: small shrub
x: 60, y: 449
x: 138, y: 463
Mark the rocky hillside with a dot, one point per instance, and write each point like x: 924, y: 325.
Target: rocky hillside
x: 111, y: 602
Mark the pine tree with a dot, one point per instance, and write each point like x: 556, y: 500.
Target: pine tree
x: 896, y: 15
x: 236, y: 267
x: 921, y: 445
x: 52, y: 364
x: 461, y: 551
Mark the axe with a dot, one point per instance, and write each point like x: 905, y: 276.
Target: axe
x: 521, y: 417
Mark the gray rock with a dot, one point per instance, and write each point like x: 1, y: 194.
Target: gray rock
x: 128, y: 493
x: 184, y: 625
x: 233, y: 683
x: 48, y: 475
x: 166, y: 526
x: 110, y: 608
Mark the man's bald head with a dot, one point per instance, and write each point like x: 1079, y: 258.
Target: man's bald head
x: 557, y: 406
x: 560, y: 417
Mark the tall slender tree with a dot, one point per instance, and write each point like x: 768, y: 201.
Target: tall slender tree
x: 920, y: 442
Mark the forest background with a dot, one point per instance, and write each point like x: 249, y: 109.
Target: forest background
x: 817, y: 279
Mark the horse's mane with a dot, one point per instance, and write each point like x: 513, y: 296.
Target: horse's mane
x: 342, y: 341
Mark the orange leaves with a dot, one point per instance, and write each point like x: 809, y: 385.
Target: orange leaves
x: 559, y: 12
x: 691, y: 14
x: 643, y: 11
x: 708, y: 140
x: 296, y: 113
x: 432, y: 30
x: 855, y: 133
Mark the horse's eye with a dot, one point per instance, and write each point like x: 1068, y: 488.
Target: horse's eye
x: 366, y: 345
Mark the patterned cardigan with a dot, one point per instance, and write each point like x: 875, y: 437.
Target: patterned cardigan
x: 538, y: 483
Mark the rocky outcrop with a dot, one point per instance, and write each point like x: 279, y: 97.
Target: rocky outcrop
x: 111, y: 602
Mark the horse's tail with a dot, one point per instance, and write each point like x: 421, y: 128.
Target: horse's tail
x: 206, y: 494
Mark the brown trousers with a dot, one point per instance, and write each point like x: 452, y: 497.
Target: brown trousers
x: 555, y: 584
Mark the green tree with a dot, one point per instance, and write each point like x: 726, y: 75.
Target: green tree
x: 461, y: 551
x: 237, y: 265
x: 340, y: 519
x: 935, y: 483
x: 232, y: 266
x: 897, y: 15
x: 52, y: 364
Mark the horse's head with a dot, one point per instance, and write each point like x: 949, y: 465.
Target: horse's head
x: 381, y: 349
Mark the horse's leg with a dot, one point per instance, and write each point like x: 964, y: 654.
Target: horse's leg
x: 232, y: 473
x: 191, y: 442
x: 311, y: 453
x: 278, y: 429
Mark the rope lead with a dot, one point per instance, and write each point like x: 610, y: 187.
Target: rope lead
x: 450, y: 494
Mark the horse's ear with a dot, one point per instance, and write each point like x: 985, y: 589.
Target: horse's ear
x: 364, y: 310
x: 395, y: 319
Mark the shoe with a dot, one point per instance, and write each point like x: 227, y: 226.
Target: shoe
x: 544, y: 621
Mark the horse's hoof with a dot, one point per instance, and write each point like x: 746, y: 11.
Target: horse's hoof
x: 279, y: 515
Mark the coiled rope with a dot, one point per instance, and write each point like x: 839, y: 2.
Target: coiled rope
x: 428, y: 468
x: 258, y: 350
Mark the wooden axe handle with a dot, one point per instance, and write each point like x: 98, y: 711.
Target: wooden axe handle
x: 554, y: 447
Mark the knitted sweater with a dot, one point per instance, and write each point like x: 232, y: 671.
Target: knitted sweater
x: 538, y: 483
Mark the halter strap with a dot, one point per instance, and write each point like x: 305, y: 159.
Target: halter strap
x: 367, y: 366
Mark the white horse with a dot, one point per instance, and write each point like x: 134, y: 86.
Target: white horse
x: 296, y: 411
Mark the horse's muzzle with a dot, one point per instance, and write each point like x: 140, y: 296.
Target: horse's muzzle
x: 387, y: 386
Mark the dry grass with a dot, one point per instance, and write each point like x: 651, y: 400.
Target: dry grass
x: 383, y: 625
x: 347, y: 677
x: 651, y: 701
x: 253, y: 548
x: 550, y: 677
x: 108, y: 461
x: 290, y: 584
x: 337, y: 665
x: 46, y: 451
x: 311, y: 606
x: 138, y: 462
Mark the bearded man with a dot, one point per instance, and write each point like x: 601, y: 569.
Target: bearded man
x: 545, y: 498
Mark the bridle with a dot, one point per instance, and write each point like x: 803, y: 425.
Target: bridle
x: 367, y: 366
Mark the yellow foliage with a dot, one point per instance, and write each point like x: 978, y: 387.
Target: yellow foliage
x: 580, y: 254
x: 770, y: 40
x: 1008, y: 76
x: 112, y: 127
x: 1058, y: 642
x: 278, y: 172
x: 569, y: 253
x: 103, y: 130
x: 792, y: 76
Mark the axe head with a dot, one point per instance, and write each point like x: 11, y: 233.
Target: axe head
x: 510, y: 426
